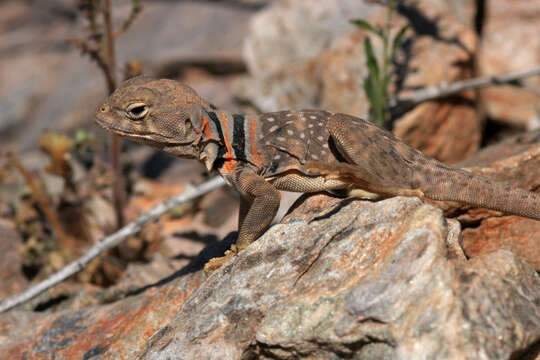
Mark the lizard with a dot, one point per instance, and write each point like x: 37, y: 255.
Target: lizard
x: 301, y: 151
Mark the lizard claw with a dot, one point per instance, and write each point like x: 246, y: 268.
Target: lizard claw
x: 216, y: 263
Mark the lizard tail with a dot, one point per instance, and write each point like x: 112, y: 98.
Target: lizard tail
x: 450, y: 184
x: 438, y: 182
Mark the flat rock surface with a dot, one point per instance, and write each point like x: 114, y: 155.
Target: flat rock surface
x: 338, y: 278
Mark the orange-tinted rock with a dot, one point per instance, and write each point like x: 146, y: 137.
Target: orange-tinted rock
x: 518, y: 235
x: 117, y: 330
x: 517, y: 161
x: 336, y: 272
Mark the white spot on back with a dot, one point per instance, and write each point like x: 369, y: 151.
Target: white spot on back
x: 320, y: 124
x: 313, y: 156
x: 270, y: 119
x: 289, y: 132
x: 274, y: 128
x: 302, y: 135
x: 288, y: 115
x: 320, y: 138
x: 310, y: 125
x: 312, y: 117
x: 281, y: 138
x: 277, y: 157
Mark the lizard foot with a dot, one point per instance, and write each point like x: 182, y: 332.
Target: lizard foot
x: 216, y: 263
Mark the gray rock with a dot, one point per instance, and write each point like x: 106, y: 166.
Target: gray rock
x: 337, y: 279
x: 352, y: 283
x: 290, y: 32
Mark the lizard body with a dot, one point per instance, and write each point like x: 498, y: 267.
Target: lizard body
x: 300, y: 151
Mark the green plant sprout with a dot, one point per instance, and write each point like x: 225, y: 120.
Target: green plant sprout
x: 378, y: 78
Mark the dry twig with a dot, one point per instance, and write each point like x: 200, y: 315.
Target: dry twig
x: 444, y: 89
x: 111, y: 241
x: 99, y: 45
x: 43, y: 202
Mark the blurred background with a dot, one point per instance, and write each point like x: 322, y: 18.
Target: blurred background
x: 243, y: 55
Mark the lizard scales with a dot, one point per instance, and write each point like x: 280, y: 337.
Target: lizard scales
x: 300, y: 151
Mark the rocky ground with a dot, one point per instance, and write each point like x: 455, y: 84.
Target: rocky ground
x: 336, y: 278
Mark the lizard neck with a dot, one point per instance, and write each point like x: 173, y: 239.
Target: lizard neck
x: 212, y: 125
x: 214, y: 136
x: 223, y: 137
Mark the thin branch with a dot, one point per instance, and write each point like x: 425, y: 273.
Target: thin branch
x: 443, y: 90
x: 95, y: 55
x: 44, y: 203
x: 136, y: 8
x: 110, y: 55
x: 112, y: 241
x: 109, y: 43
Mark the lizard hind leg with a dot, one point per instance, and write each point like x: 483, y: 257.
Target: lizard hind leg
x: 375, y: 160
x: 381, y: 162
x: 362, y: 183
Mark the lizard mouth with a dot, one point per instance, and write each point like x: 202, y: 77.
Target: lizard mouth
x: 119, y: 129
x: 137, y: 135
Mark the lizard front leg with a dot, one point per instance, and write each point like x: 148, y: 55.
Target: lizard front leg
x: 258, y: 207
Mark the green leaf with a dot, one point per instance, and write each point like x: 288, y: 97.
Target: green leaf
x: 371, y: 60
x: 398, y: 38
x: 369, y: 88
x: 379, y: 31
x: 376, y: 101
x: 362, y: 24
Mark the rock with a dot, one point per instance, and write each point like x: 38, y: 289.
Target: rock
x: 442, y: 50
x: 509, y: 24
x: 439, y: 48
x: 517, y: 161
x: 338, y: 278
x: 13, y: 279
x: 291, y: 32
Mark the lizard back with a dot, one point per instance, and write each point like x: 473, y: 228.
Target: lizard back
x: 290, y: 139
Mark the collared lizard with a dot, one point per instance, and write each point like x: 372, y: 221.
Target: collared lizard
x: 300, y: 151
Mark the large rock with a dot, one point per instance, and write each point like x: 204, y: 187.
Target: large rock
x: 291, y: 32
x: 339, y: 278
x: 517, y: 161
x: 510, y: 42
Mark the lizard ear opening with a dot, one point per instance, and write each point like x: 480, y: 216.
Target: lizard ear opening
x: 137, y: 110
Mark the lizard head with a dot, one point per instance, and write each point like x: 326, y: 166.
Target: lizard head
x: 163, y: 113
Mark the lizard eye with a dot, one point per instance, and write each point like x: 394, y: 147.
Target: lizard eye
x: 137, y: 111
